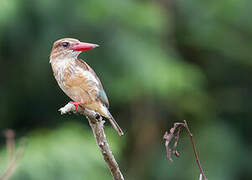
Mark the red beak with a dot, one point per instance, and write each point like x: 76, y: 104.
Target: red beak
x: 81, y: 46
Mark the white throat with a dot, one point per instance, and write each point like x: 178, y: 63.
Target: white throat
x: 64, y: 56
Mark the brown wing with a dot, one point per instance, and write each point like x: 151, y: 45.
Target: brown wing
x: 99, y: 93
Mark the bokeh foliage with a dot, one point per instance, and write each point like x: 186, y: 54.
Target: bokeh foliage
x: 68, y: 152
x: 159, y: 61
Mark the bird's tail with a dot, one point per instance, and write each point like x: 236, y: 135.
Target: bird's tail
x: 107, y: 114
x: 115, y: 125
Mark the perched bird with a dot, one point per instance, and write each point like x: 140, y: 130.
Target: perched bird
x: 77, y: 79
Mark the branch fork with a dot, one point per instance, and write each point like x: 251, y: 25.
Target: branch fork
x: 96, y: 123
x: 174, y: 134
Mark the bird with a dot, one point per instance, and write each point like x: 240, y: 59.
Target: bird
x: 78, y: 80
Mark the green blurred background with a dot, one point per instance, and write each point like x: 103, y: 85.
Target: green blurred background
x: 160, y: 61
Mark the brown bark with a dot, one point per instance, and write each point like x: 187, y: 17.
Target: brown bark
x: 96, y: 123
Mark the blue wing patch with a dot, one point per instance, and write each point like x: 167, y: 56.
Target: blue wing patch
x: 103, y: 97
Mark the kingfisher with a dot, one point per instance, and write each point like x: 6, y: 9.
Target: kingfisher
x: 78, y: 80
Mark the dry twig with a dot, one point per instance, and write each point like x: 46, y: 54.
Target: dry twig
x: 174, y: 134
x: 13, y: 156
x: 96, y: 123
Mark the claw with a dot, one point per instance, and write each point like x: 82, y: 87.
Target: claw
x: 76, y: 104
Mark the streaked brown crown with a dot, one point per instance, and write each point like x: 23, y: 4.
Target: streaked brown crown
x: 61, y: 48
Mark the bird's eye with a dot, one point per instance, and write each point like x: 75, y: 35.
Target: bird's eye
x: 65, y: 44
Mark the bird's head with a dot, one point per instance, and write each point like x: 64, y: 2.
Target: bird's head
x: 69, y: 48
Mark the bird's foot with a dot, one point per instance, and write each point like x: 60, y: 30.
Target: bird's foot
x: 76, y: 104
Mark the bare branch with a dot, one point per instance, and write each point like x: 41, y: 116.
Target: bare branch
x: 174, y: 134
x: 96, y: 123
x: 200, y: 176
x: 10, y: 142
x: 14, y: 156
